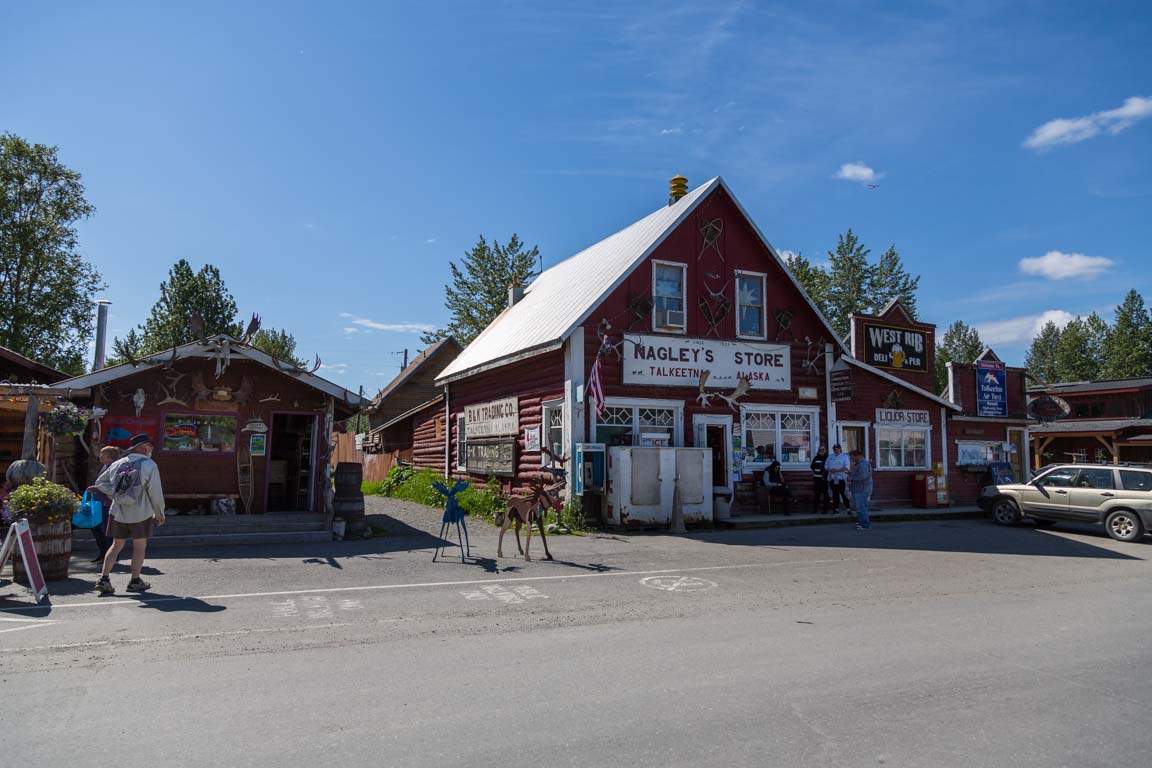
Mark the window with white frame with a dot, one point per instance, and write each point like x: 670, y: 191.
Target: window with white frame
x: 553, y: 429
x: 638, y: 424
x: 668, y: 302
x: 461, y: 443
x: 750, y: 319
x: 902, y: 448
x: 786, y: 435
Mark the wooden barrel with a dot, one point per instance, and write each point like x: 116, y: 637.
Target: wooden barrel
x: 351, y: 509
x: 348, y: 478
x: 53, y: 542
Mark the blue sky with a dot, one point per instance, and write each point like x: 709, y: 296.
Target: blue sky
x: 332, y: 158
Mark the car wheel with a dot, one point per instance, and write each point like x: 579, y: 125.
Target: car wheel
x: 1124, y: 525
x: 1043, y: 523
x: 1005, y: 512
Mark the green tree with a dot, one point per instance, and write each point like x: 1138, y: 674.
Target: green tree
x: 1041, y: 358
x: 849, y: 282
x: 1098, y: 331
x: 46, y: 288
x: 888, y: 280
x: 1075, y: 358
x: 960, y: 344
x: 1128, y: 348
x: 186, y: 292
x: 479, y: 291
x: 278, y: 343
x: 811, y: 278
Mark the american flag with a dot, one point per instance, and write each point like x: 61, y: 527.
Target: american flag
x: 596, y: 389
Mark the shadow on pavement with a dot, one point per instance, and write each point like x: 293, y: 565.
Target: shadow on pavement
x: 974, y: 536
x: 175, y: 603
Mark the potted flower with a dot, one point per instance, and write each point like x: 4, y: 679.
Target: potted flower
x: 48, y: 508
x: 66, y: 420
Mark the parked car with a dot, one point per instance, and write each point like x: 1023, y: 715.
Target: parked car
x: 1119, y: 496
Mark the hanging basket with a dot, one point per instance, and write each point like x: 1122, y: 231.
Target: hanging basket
x: 66, y: 420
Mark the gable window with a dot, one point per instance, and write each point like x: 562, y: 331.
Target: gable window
x: 668, y: 280
x: 750, y: 322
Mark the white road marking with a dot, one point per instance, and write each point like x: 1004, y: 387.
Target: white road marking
x: 463, y: 583
x: 27, y: 626
x: 678, y: 583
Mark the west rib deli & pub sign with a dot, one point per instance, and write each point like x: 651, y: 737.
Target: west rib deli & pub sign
x: 898, y: 349
x: 678, y: 362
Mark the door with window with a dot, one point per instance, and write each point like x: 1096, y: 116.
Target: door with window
x: 1016, y: 437
x: 853, y: 436
x: 715, y: 432
x: 1049, y: 494
x: 1093, y: 487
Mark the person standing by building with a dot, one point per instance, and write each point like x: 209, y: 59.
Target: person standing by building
x: 820, y: 482
x: 108, y: 454
x: 133, y: 483
x: 860, y: 484
x: 837, y: 466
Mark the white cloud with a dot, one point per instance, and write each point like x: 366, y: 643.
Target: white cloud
x: 1057, y: 265
x: 430, y: 240
x: 857, y: 172
x: 336, y: 369
x: 671, y: 131
x: 351, y: 330
x: 397, y: 327
x: 1064, y: 130
x: 1021, y: 330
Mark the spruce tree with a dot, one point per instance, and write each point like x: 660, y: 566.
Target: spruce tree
x: 849, y: 282
x: 479, y: 291
x: 811, y: 278
x: 960, y: 344
x: 1041, y: 358
x: 1128, y: 349
x: 889, y: 280
x: 1075, y: 360
x: 183, y: 293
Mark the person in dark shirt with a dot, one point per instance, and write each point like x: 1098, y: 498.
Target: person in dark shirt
x: 821, y: 504
x: 773, y: 480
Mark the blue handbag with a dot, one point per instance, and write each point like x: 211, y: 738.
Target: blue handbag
x: 89, y: 514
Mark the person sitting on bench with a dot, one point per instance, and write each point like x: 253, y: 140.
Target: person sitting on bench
x: 773, y: 480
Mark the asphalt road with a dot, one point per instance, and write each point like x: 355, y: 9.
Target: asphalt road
x: 952, y: 643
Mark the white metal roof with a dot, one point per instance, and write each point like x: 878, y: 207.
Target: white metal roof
x: 562, y: 297
x: 209, y: 350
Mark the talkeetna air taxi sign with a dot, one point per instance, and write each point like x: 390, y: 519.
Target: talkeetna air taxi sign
x: 898, y: 349
x: 678, y: 362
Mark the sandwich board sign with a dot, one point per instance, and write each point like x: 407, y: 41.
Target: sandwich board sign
x: 19, y: 541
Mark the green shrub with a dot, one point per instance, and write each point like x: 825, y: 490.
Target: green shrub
x: 372, y: 489
x: 483, y: 501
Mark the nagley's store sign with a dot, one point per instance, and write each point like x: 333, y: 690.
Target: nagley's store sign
x: 492, y: 419
x: 896, y: 348
x: 677, y: 362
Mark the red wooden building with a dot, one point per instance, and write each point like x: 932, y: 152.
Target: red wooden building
x: 700, y: 337
x: 1108, y: 421
x: 228, y: 422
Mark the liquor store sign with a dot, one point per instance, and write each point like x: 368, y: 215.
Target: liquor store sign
x: 675, y: 362
x: 891, y: 417
x: 492, y: 419
x: 900, y: 349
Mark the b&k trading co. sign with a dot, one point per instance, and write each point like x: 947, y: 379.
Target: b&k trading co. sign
x: 492, y: 419
x: 678, y: 362
x: 896, y: 348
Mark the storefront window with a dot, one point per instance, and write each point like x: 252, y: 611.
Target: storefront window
x: 786, y: 435
x: 461, y: 444
x: 553, y: 432
x: 903, y: 448
x: 637, y: 425
x: 199, y: 432
x: 668, y: 296
x: 749, y: 305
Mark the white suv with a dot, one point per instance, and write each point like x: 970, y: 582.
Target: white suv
x: 1117, y: 495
